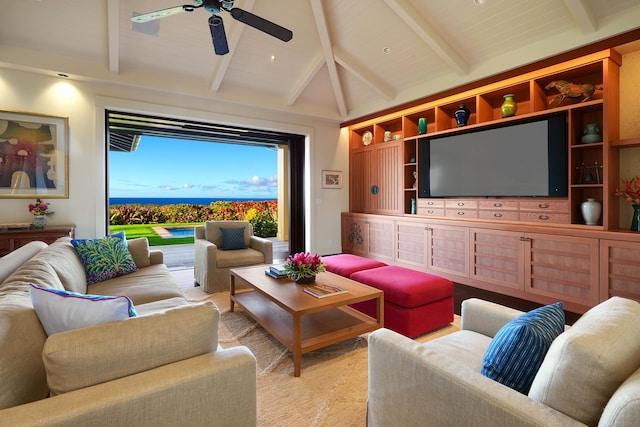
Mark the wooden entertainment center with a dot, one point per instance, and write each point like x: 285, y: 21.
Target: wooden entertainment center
x: 535, y: 248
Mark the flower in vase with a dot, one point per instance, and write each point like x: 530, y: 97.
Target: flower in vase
x: 40, y: 207
x: 304, y: 265
x: 631, y: 191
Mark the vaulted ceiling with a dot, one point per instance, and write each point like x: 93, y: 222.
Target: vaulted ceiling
x: 347, y: 58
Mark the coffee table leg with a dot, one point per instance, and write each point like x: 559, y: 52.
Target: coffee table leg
x: 232, y: 303
x: 297, y: 345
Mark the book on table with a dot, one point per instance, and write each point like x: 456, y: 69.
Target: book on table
x: 320, y: 290
x: 277, y: 271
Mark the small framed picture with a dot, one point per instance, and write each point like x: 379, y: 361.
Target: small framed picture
x: 33, y: 156
x: 331, y: 179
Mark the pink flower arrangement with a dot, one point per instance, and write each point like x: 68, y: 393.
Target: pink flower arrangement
x: 631, y: 191
x: 304, y: 265
x: 39, y: 208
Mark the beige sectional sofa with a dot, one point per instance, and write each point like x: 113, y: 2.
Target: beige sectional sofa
x: 164, y: 367
x: 589, y: 376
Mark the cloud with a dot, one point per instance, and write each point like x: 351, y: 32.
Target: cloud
x: 256, y: 181
x: 188, y: 186
x: 169, y: 188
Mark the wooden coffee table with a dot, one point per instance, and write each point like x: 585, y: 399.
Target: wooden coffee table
x: 302, y: 322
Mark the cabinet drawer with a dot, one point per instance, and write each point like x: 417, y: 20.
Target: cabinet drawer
x: 461, y: 213
x: 504, y: 215
x: 461, y: 204
x: 556, y: 218
x: 545, y: 205
x: 430, y: 211
x: 498, y: 205
x: 430, y: 203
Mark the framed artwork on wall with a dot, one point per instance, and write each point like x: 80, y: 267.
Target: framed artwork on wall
x: 331, y: 179
x: 34, y: 155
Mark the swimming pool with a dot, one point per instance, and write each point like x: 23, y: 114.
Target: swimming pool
x: 173, y: 232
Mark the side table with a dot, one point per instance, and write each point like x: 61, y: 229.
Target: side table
x: 13, y: 239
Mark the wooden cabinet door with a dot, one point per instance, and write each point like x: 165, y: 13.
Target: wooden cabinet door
x: 410, y: 245
x: 354, y: 237
x: 388, y: 178
x: 380, y: 237
x: 497, y: 257
x: 360, y: 181
x: 562, y: 267
x: 448, y: 249
x: 619, y: 269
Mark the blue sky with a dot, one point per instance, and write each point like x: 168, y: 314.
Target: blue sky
x: 163, y: 167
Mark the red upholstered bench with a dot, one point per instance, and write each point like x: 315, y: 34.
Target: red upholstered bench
x: 347, y: 264
x: 414, y: 302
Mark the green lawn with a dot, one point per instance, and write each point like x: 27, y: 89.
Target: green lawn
x: 146, y: 230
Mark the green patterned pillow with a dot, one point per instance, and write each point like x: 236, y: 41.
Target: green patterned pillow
x: 104, y: 258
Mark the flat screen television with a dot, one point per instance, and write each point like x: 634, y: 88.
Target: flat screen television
x: 526, y: 159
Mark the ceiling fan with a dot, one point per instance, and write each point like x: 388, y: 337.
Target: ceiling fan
x: 214, y: 7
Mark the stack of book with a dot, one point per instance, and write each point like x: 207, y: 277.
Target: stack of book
x: 276, y: 271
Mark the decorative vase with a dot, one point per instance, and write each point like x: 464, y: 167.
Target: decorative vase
x: 413, y: 206
x: 39, y: 221
x: 635, y: 219
x: 591, y: 134
x: 422, y: 125
x: 509, y: 106
x: 591, y: 210
x: 305, y: 280
x: 462, y: 115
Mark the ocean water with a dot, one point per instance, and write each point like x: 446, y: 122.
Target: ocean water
x: 206, y: 201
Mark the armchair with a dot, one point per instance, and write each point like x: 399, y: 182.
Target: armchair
x: 212, y: 261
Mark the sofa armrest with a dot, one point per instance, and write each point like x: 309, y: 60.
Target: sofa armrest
x: 411, y: 385
x: 211, y: 389
x: 205, y: 262
x: 156, y: 256
x: 263, y: 245
x: 485, y: 317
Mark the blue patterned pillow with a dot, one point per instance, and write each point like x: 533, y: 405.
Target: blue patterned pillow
x: 518, y: 349
x: 104, y: 258
x: 232, y: 238
x: 60, y: 310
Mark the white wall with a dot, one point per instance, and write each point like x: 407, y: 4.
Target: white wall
x: 84, y: 103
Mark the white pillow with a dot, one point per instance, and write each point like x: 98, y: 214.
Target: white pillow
x: 60, y: 310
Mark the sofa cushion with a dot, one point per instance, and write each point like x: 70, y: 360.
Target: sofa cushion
x: 64, y: 260
x: 139, y: 249
x: 587, y: 363
x: 347, y: 264
x: 232, y: 238
x: 239, y: 258
x: 104, y: 258
x: 518, y: 349
x: 14, y: 259
x: 406, y: 287
x: 129, y: 346
x: 60, y: 310
x: 146, y: 285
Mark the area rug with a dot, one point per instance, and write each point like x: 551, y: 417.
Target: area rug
x: 332, y: 388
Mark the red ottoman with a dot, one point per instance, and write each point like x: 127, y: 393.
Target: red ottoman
x: 347, y: 264
x: 414, y: 302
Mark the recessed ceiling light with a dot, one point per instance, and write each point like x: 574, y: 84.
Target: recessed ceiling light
x: 479, y: 2
x: 386, y: 49
x: 273, y: 58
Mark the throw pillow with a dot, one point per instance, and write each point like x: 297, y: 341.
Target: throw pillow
x: 104, y: 258
x: 60, y: 310
x: 518, y: 348
x: 232, y: 238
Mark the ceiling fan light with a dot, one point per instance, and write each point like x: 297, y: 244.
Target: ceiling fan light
x: 479, y: 2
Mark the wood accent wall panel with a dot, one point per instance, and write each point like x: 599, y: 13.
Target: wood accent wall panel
x: 389, y: 179
x: 411, y: 243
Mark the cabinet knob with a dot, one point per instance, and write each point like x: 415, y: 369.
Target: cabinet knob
x: 430, y: 211
x: 374, y: 189
x: 497, y: 215
x: 497, y: 205
x: 543, y: 205
x: 525, y: 239
x: 460, y: 213
x: 543, y: 217
x: 460, y: 203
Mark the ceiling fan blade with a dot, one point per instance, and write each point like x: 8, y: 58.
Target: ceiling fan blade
x: 262, y: 24
x: 218, y: 35
x: 152, y: 16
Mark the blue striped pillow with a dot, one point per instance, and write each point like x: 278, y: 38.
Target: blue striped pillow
x: 518, y: 349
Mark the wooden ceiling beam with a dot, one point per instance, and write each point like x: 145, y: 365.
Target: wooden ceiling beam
x: 582, y: 15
